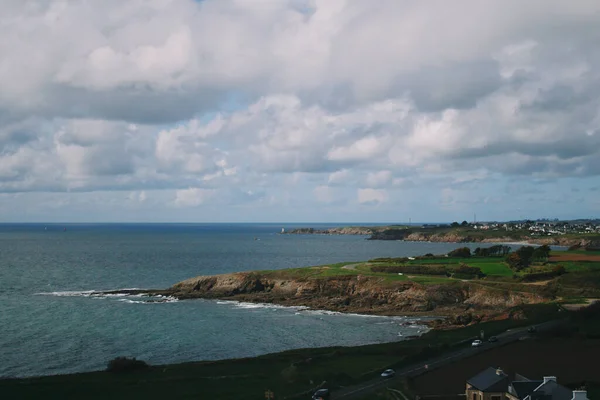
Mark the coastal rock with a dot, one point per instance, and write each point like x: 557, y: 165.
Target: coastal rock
x: 359, y: 294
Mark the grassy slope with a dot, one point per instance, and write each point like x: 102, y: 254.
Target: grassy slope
x: 491, y: 266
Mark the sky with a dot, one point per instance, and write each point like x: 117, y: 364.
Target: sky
x: 299, y: 110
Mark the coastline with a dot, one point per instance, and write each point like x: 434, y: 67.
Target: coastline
x: 453, y: 235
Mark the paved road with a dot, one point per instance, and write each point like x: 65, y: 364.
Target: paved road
x: 357, y: 391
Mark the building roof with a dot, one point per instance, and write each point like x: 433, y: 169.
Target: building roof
x: 490, y: 380
x: 524, y: 388
x: 552, y: 391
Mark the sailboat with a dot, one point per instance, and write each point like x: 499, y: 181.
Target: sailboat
x: 282, y: 230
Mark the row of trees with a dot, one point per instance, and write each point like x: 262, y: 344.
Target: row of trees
x: 496, y: 250
x: 464, y: 252
x: 456, y: 224
x: 517, y: 261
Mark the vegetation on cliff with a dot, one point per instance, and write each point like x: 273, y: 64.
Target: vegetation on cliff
x: 452, y: 284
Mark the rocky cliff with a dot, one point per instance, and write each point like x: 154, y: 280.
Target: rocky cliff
x: 354, y: 293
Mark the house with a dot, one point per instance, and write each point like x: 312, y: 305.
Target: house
x: 490, y: 384
x: 495, y: 384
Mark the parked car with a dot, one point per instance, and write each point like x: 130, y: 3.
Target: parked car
x: 476, y: 343
x: 532, y: 329
x: 388, y: 373
x: 493, y: 339
x: 321, y: 394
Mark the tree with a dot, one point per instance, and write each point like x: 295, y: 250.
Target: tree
x: 542, y: 253
x: 515, y: 262
x: 464, y: 223
x: 526, y: 255
x: 454, y: 224
x: 559, y: 270
x: 461, y: 252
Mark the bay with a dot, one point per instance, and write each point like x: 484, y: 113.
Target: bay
x: 50, y: 325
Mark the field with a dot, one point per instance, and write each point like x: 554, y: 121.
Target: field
x: 494, y: 268
x: 572, y: 256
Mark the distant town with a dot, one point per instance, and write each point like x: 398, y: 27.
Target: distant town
x: 535, y: 228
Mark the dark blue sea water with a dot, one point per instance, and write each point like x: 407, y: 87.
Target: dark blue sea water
x: 50, y: 325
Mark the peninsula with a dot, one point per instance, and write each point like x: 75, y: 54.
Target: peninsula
x: 465, y: 287
x: 583, y: 234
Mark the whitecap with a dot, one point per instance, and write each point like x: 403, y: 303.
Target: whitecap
x: 85, y: 293
x: 250, y: 306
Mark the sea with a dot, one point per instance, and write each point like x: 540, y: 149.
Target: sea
x: 51, y: 322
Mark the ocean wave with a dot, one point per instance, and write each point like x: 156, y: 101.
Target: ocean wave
x: 123, y: 297
x: 74, y: 293
x: 246, y: 305
x: 164, y: 299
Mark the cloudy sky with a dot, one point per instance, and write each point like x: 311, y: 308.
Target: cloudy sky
x: 299, y: 110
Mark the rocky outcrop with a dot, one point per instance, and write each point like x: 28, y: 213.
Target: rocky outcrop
x: 346, y: 230
x: 355, y: 293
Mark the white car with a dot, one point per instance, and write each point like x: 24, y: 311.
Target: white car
x: 388, y: 373
x: 476, y: 343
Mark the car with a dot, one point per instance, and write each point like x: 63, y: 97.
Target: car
x: 476, y: 343
x: 321, y: 394
x: 492, y: 339
x: 388, y: 373
x: 532, y: 329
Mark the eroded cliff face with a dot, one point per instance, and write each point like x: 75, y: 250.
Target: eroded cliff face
x: 355, y: 294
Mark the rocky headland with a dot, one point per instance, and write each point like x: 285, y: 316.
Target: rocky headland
x: 458, y: 302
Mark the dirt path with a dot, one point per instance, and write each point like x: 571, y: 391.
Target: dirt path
x: 351, y: 266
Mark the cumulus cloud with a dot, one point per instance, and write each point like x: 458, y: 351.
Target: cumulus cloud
x: 192, y: 197
x: 372, y: 196
x: 232, y: 98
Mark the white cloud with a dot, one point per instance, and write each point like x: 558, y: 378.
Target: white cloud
x: 378, y: 179
x: 193, y: 197
x: 324, y: 194
x: 339, y: 177
x: 239, y: 96
x: 372, y: 196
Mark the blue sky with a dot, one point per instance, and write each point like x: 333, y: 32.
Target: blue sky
x: 225, y: 111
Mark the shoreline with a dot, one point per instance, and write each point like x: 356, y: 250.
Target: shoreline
x: 447, y: 234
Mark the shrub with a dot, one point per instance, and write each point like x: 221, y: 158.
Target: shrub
x: 559, y: 269
x: 124, y: 364
x: 461, y: 252
x: 458, y: 275
x: 465, y: 269
x: 544, y: 275
x: 515, y: 262
x: 574, y: 247
x: 411, y: 269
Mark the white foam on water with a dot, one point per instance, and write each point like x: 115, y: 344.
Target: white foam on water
x: 250, y: 306
x: 123, y: 297
x: 165, y: 299
x: 75, y: 293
